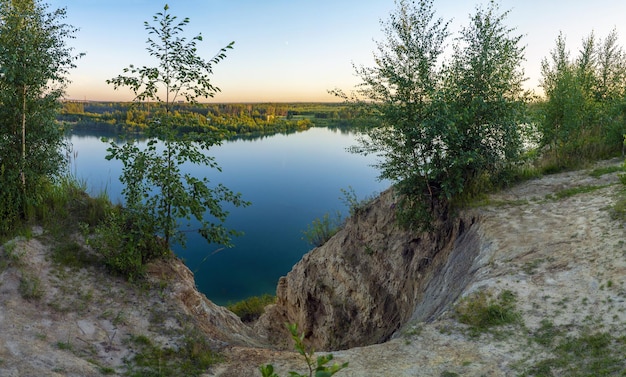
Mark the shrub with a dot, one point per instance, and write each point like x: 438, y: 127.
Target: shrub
x: 321, y: 230
x: 481, y: 311
x: 251, y: 308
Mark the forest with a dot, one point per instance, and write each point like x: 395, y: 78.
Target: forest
x: 227, y: 119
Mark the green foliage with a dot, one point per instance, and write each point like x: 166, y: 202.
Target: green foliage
x: 442, y: 127
x: 190, y: 358
x: 251, y: 308
x: 566, y: 193
x: 587, y: 354
x: 482, y: 312
x: 126, y: 240
x: 157, y: 193
x: 321, y: 230
x: 597, y: 173
x: 34, y: 61
x: 317, y: 368
x: 30, y: 287
x: 583, y: 115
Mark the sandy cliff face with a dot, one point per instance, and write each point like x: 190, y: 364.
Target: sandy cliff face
x: 366, y: 282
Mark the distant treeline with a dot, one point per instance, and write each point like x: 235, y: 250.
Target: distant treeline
x: 229, y: 119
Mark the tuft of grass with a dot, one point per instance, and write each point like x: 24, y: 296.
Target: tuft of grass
x: 598, y: 172
x: 72, y: 255
x: 566, y: 193
x: 480, y: 311
x: 618, y: 211
x: 30, y: 287
x: 251, y: 308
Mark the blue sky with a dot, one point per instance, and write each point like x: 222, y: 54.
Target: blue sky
x: 297, y: 50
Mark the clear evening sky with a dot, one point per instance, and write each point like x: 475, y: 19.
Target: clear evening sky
x: 297, y: 50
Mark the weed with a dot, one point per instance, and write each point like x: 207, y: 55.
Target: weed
x: 598, y: 172
x: 72, y: 255
x: 106, y: 370
x: 251, y: 308
x: 566, y: 193
x: 30, y: 286
x: 530, y: 267
x: 449, y: 374
x: 321, y: 230
x: 67, y: 346
x: 481, y: 311
x: 355, y: 206
x: 13, y: 254
x: 316, y: 368
x: 589, y: 354
x: 192, y: 357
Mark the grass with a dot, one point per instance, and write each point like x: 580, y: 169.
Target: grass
x: 597, y: 173
x: 481, y: 311
x: 566, y: 193
x: 251, y: 308
x: 192, y: 357
x: 30, y: 287
x: 586, y: 354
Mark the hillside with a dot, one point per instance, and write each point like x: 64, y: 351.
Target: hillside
x: 549, y: 261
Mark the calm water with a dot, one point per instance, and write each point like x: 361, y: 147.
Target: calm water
x: 290, y: 180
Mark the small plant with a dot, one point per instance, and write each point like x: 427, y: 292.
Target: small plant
x: 351, y: 201
x: 575, y: 191
x: 30, y: 286
x: 321, y: 230
x: 251, y: 308
x: 481, y: 311
x: 598, y: 172
x: 316, y: 368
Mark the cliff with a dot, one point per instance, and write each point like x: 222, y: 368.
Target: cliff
x: 371, y: 278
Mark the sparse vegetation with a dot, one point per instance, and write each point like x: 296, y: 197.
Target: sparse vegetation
x: 481, y: 312
x: 566, y: 193
x: 316, y: 368
x: 599, y: 172
x: 251, y: 308
x: 591, y: 353
x: 192, y: 357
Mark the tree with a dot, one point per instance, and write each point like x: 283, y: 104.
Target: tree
x: 485, y: 99
x: 158, y: 195
x: 400, y: 92
x: 442, y: 127
x: 583, y: 113
x: 34, y: 62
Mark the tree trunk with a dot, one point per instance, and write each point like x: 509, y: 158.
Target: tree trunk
x: 23, y: 165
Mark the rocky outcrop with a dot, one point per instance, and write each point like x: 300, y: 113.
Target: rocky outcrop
x: 371, y: 278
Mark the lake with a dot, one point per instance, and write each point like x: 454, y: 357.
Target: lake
x: 290, y: 180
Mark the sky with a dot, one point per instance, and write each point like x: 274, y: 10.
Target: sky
x: 298, y: 50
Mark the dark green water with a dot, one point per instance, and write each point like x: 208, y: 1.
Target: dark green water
x: 290, y: 180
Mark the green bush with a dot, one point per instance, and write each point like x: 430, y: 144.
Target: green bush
x: 321, y: 230
x: 481, y: 311
x: 251, y: 308
x: 126, y: 246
